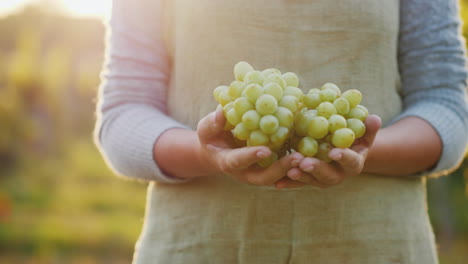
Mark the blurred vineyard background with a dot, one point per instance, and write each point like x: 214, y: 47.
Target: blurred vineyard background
x: 58, y: 201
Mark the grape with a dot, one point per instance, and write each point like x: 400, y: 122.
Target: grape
x: 228, y: 126
x: 357, y: 126
x: 357, y: 113
x: 269, y: 124
x: 300, y: 125
x: 323, y: 150
x: 314, y: 90
x: 318, y: 127
x: 218, y: 90
x: 280, y: 136
x: 275, y: 146
x: 326, y: 109
x: 291, y: 79
x: 342, y: 106
x: 310, y: 114
x: 273, y: 89
x: 328, y: 95
x: 257, y: 138
x: 303, y: 120
x: 290, y: 102
x: 228, y: 107
x: 294, y: 91
x: 268, y: 161
x: 252, y: 92
x: 251, y: 119
x: 336, y: 122
x: 241, y: 69
x: 285, y: 117
x: 233, y: 117
x: 343, y: 138
x: 353, y: 96
x: 267, y: 72
x: 363, y: 109
x: 311, y: 100
x: 266, y: 104
x: 308, y: 147
x: 253, y: 77
x: 276, y: 78
x: 333, y: 87
x: 224, y: 98
x: 241, y: 132
x: 242, y: 105
x: 235, y: 89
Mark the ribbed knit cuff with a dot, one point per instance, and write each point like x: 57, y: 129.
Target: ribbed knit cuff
x: 127, y: 140
x: 451, y: 130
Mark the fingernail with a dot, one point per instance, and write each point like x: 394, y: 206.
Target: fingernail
x: 262, y: 154
x: 309, y: 168
x: 337, y: 156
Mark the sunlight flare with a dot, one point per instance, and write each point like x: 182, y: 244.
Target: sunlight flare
x: 95, y: 8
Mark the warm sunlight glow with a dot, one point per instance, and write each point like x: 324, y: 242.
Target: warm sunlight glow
x: 96, y: 8
x: 79, y: 8
x: 9, y: 6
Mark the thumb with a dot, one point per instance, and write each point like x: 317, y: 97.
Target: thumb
x: 373, y: 124
x: 211, y: 125
x: 241, y: 158
x: 362, y: 145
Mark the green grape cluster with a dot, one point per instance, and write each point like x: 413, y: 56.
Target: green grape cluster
x: 267, y: 108
x: 328, y: 119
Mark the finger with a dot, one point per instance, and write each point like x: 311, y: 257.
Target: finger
x: 241, y: 158
x: 286, y: 183
x: 211, y: 125
x: 298, y: 175
x: 324, y: 173
x: 303, y: 177
x: 276, y: 171
x: 373, y: 124
x: 294, y: 174
x: 348, y: 158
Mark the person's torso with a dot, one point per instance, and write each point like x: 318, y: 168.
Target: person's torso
x: 366, y: 219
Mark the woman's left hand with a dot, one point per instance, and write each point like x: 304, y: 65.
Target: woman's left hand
x: 345, y: 162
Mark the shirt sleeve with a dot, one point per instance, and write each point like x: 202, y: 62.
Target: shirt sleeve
x: 131, y: 111
x: 431, y: 58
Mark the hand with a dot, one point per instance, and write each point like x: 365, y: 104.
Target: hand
x: 346, y: 162
x: 219, y: 150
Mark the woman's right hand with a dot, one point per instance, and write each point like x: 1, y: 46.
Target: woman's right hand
x: 218, y: 149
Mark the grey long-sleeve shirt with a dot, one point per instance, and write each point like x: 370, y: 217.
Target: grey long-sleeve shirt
x: 132, y: 108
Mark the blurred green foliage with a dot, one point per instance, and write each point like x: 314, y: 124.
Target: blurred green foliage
x: 59, y: 203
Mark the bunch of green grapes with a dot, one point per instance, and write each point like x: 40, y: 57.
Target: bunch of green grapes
x: 260, y: 106
x: 267, y: 108
x: 329, y: 119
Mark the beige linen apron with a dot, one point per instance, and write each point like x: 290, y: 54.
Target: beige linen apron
x: 366, y: 219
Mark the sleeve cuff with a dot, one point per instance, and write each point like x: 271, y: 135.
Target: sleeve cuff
x: 127, y: 140
x: 451, y: 130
